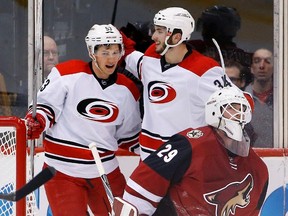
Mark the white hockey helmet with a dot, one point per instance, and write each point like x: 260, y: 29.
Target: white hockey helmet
x: 175, y: 18
x: 102, y: 35
x: 218, y: 105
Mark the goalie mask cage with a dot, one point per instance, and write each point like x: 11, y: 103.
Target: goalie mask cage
x: 15, y: 167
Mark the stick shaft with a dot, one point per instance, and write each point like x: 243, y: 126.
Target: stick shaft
x: 114, y: 12
x: 38, y: 6
x: 40, y: 179
x: 102, y: 173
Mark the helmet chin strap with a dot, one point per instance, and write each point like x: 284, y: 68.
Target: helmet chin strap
x: 168, y: 46
x: 95, y: 62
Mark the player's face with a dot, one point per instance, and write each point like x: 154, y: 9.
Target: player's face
x: 107, y: 58
x: 233, y: 112
x: 159, y: 37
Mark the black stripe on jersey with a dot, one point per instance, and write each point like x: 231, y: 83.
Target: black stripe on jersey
x: 48, y: 110
x: 138, y: 66
x: 146, y: 150
x: 157, y: 136
x: 172, y: 159
x: 134, y: 147
x: 69, y: 160
x: 45, y: 107
x: 128, y: 139
x: 67, y: 142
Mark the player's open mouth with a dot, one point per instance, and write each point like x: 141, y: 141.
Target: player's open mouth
x: 110, y: 66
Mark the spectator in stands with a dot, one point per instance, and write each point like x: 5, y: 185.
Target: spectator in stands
x: 80, y: 103
x: 262, y: 90
x: 140, y: 33
x: 50, y: 55
x: 221, y: 23
x: 236, y: 72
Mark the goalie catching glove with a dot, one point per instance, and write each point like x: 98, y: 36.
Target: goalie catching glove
x: 35, y: 126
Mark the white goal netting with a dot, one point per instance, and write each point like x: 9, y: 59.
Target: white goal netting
x: 10, y: 172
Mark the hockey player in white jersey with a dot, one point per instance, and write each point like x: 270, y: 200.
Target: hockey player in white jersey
x: 80, y: 103
x: 177, y: 80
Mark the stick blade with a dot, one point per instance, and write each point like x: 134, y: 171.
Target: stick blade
x: 41, y: 178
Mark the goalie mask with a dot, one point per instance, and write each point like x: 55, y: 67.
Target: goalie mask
x: 229, y: 111
x: 103, y: 35
x: 175, y: 18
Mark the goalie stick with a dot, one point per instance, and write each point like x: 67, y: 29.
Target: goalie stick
x: 119, y: 206
x: 40, y: 179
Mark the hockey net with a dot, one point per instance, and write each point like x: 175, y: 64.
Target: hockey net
x: 15, y: 167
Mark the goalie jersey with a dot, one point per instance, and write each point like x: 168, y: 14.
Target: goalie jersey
x: 193, y: 174
x: 79, y: 109
x: 174, y: 96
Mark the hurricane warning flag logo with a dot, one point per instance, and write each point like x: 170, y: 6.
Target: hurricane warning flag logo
x: 227, y: 199
x: 98, y: 110
x: 160, y: 92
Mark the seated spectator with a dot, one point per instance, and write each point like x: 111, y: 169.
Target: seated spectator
x: 236, y: 72
x: 262, y: 91
x: 50, y: 55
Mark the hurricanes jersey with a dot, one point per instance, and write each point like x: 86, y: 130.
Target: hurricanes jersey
x: 79, y: 109
x: 174, y: 96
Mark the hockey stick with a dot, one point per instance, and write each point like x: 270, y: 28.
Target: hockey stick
x: 119, y: 207
x: 40, y: 179
x: 221, y: 58
x: 220, y: 53
x: 102, y: 174
x: 114, y: 12
x: 37, y: 32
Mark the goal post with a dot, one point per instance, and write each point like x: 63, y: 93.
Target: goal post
x: 14, y: 165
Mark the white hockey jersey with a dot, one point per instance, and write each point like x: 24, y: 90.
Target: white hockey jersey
x: 79, y: 109
x: 174, y: 96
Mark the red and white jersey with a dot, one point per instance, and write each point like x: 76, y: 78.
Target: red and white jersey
x: 193, y: 174
x: 174, y: 96
x: 81, y: 108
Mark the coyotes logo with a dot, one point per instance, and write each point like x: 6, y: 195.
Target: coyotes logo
x: 227, y: 199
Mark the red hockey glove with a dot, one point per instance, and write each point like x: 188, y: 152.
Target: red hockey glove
x: 129, y: 44
x: 35, y: 126
x: 123, y: 208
